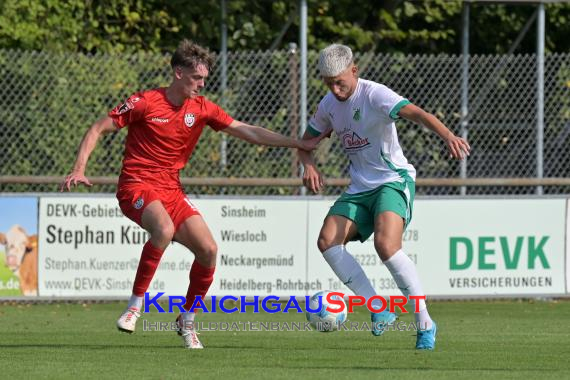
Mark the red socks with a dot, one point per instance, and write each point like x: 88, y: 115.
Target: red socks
x: 201, y: 278
x: 150, y: 258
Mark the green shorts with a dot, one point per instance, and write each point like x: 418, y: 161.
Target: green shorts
x: 362, y: 208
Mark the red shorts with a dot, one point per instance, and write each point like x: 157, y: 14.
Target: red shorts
x: 134, y: 197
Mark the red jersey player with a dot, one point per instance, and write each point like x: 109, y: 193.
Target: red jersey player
x: 164, y: 125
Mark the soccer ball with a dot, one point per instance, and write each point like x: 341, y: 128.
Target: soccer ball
x: 323, y: 320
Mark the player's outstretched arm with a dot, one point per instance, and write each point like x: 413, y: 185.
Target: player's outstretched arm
x: 262, y: 136
x: 458, y: 147
x: 77, y: 175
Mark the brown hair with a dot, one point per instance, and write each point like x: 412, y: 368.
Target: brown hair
x: 189, y: 54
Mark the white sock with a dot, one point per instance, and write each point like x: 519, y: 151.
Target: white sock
x: 188, y: 317
x: 135, y: 302
x: 350, y: 273
x: 404, y: 272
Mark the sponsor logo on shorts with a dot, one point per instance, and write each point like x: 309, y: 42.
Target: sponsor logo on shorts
x: 139, y: 203
x: 189, y: 119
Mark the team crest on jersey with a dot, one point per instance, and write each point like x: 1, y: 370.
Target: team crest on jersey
x: 139, y: 203
x: 352, y: 142
x: 189, y: 119
x: 356, y: 114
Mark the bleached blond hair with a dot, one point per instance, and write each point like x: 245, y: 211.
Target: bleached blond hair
x: 334, y: 59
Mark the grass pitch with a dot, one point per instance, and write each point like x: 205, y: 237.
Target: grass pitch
x: 502, y: 340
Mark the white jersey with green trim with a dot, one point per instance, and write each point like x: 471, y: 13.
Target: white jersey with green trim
x: 365, y: 126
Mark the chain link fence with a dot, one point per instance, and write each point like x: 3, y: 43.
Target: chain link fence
x: 47, y: 101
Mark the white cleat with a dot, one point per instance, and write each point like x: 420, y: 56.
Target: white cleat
x: 188, y: 334
x: 128, y: 320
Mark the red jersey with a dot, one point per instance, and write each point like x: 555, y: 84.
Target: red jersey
x: 162, y: 136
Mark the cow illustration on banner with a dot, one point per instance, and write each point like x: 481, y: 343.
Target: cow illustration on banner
x: 18, y: 246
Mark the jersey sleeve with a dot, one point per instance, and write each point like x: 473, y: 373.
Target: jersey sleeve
x: 319, y: 122
x: 387, y: 102
x: 218, y: 119
x: 132, y: 110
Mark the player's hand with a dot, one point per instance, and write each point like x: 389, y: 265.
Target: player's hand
x: 74, y: 179
x: 312, y: 144
x: 313, y: 179
x: 458, y: 147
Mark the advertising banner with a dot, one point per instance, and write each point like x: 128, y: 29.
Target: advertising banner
x: 88, y: 248
x: 262, y: 246
x: 567, y: 246
x: 492, y: 247
x: 483, y: 247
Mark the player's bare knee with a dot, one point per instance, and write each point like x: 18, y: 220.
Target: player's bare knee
x: 325, y: 242
x: 208, y: 249
x: 211, y: 250
x: 207, y: 253
x: 162, y: 234
x: 386, y: 248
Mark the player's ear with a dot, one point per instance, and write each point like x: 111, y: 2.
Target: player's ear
x: 355, y: 70
x: 178, y: 72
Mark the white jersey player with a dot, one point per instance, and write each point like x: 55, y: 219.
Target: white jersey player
x: 380, y: 197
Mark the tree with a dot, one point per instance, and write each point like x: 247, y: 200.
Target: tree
x: 86, y: 26
x: 368, y: 25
